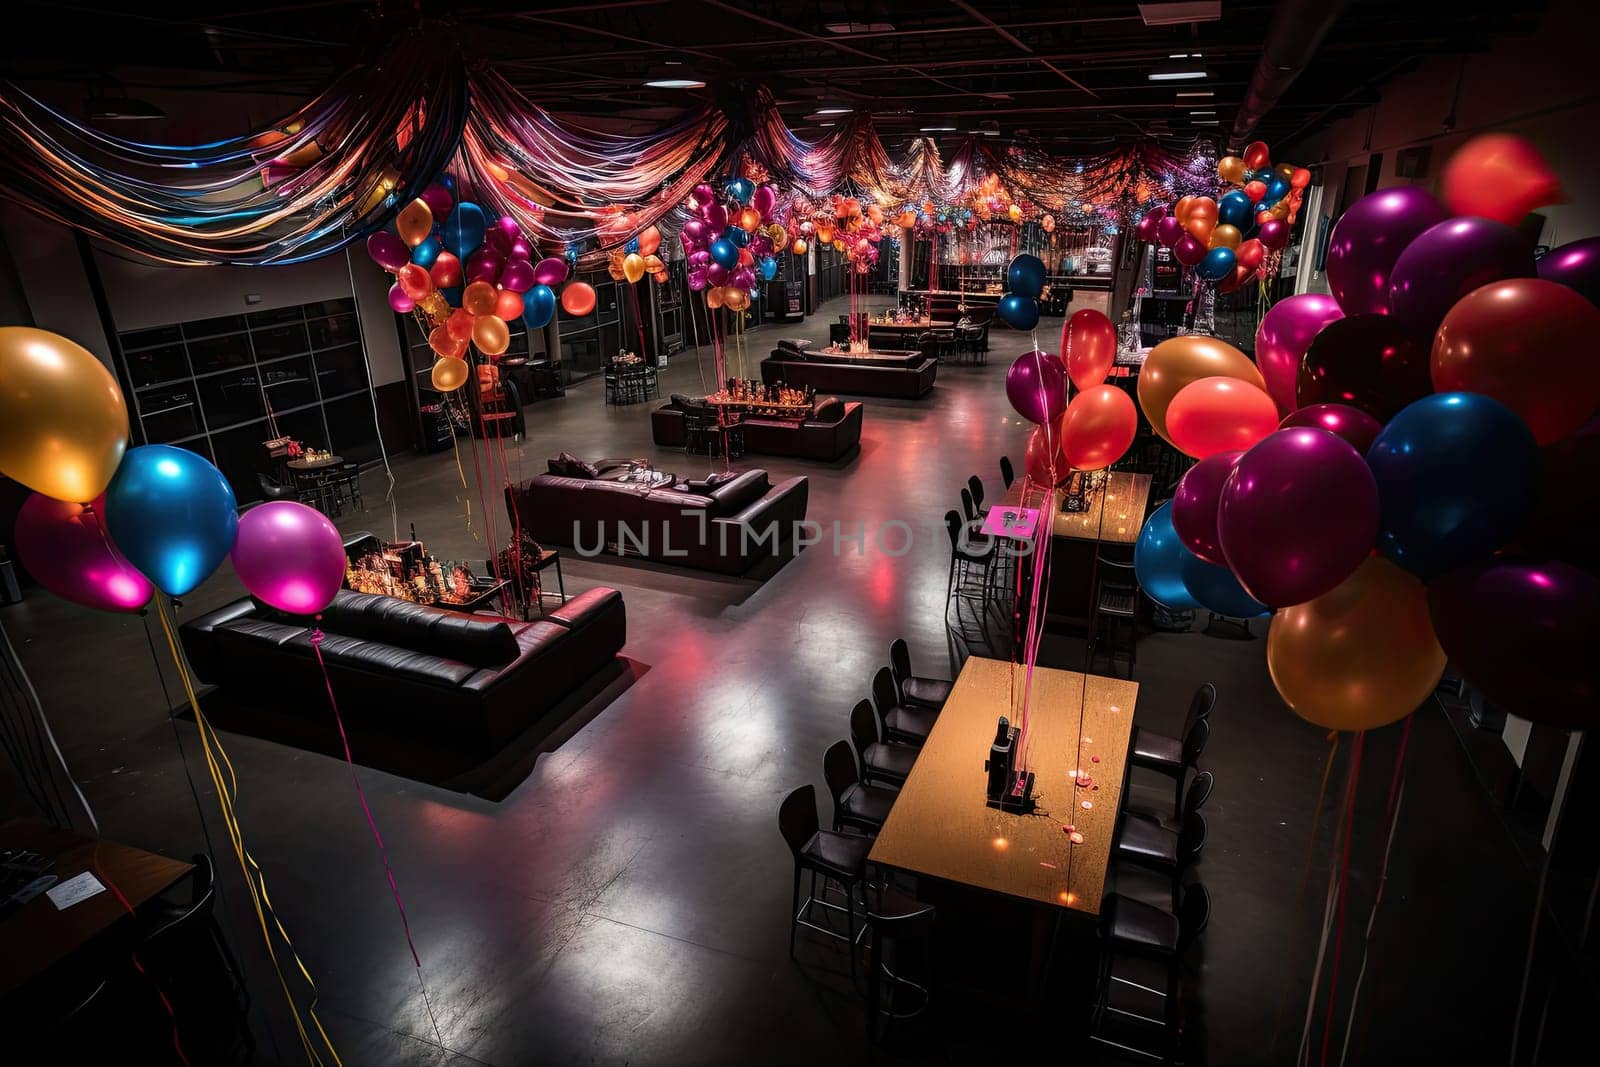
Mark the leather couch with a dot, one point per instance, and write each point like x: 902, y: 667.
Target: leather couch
x: 892, y: 374
x: 471, y: 683
x: 832, y: 430
x: 727, y: 528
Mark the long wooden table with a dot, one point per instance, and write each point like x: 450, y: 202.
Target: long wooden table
x: 941, y: 826
x: 1115, y: 513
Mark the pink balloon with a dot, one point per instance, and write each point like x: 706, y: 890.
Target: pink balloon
x: 697, y: 280
x: 1274, y: 233
x: 550, y: 271
x: 764, y: 199
x: 1145, y: 229
x: 398, y: 300
x: 1194, y: 505
x: 1036, y: 385
x: 1168, y: 231
x: 1219, y: 414
x: 484, y: 266
x: 517, y: 276
x: 700, y: 259
x: 67, y: 549
x: 696, y: 231
x: 1286, y: 331
x: 1187, y: 250
x: 715, y: 216
x: 743, y: 278
x: 1355, y: 426
x: 438, y: 199
x: 703, y: 194
x: 290, y: 556
x: 687, y: 242
x: 502, y: 233
x: 388, y: 251
x: 717, y: 274
x: 521, y: 249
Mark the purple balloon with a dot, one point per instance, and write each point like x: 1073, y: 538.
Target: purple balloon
x: 1297, y: 516
x: 484, y: 266
x: 703, y: 194
x: 1367, y: 241
x: 399, y: 301
x: 1523, y: 631
x: 1144, y: 231
x: 700, y: 258
x: 1448, y: 261
x: 388, y: 251
x: 1354, y: 425
x: 1188, y: 251
x: 1286, y: 331
x: 743, y: 278
x: 696, y: 231
x: 717, y: 274
x: 1168, y: 230
x: 1575, y: 265
x: 761, y: 245
x: 697, y: 279
x: 764, y: 199
x: 1194, y: 505
x: 1036, y: 385
x: 517, y: 275
x: 550, y: 271
x: 290, y: 556
x: 520, y: 249
x: 1274, y: 234
x: 715, y: 216
x: 68, y: 551
x: 439, y: 201
x: 502, y: 233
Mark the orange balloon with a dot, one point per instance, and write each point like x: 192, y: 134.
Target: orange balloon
x: 460, y: 324
x: 1097, y: 427
x: 449, y: 374
x: 749, y: 219
x: 1361, y: 656
x: 414, y: 223
x: 1501, y: 177
x: 1231, y: 169
x: 734, y: 298
x: 633, y: 267
x: 799, y: 247
x: 1299, y: 178
x: 415, y: 281
x: 1180, y: 210
x: 1046, y: 458
x: 1225, y: 236
x: 1177, y: 361
x: 649, y: 241
x: 653, y: 264
x: 661, y: 276
x: 714, y: 297
x: 1088, y: 347
x: 63, y: 419
x: 1529, y: 343
x: 578, y: 298
x: 1202, y: 219
x: 746, y: 258
x: 446, y: 271
x: 478, y: 298
x: 1255, y: 191
x: 1212, y: 415
x: 444, y: 344
x: 1257, y: 155
x: 491, y: 335
x: 825, y: 234
x: 508, y: 305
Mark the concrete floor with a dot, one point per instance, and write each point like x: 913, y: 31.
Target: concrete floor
x: 627, y: 902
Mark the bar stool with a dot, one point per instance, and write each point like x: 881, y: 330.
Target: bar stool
x: 1008, y: 473
x: 964, y: 556
x: 879, y: 761
x: 1138, y: 939
x: 900, y: 724
x: 350, y: 482
x: 1116, y: 603
x: 902, y: 934
x: 856, y: 805
x: 839, y: 858
x: 1170, y: 756
x: 914, y: 691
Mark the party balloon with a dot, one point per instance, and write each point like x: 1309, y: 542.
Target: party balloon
x: 1194, y: 505
x: 703, y: 194
x: 550, y: 271
x: 1528, y: 343
x: 1255, y: 192
x: 1274, y: 234
x: 1188, y: 251
x: 479, y: 298
x: 438, y: 199
x: 1256, y: 155
x: 1241, y: 274
x: 1354, y: 426
x: 741, y: 189
x: 743, y: 278
x: 578, y: 299
x: 714, y: 296
x: 1522, y: 630
x: 1145, y: 230
x: 1299, y: 178
x: 1448, y: 261
x: 446, y: 271
x: 749, y: 220
x: 766, y: 197
x: 737, y: 237
x: 462, y: 231
x: 449, y: 374
x: 769, y: 268
x: 799, y: 247
x: 1499, y: 176
x: 1158, y: 558
x: 414, y: 222
x: 1226, y: 236
x: 698, y: 280
x: 1249, y: 254
x: 734, y: 298
x: 1019, y: 312
x: 1025, y: 275
x: 490, y: 334
x: 716, y: 217
x: 1575, y: 265
x: 444, y: 343
x: 649, y: 241
x: 1169, y: 231
x: 172, y: 514
x: 1045, y: 459
x: 1217, y: 590
x: 1201, y: 219
x: 415, y: 281
x: 718, y: 275
x: 426, y: 253
x: 538, y: 307
x: 1367, y: 241
x: 1231, y: 169
x: 1088, y: 347
x: 388, y: 251
x: 1360, y: 656
x: 724, y: 252
x: 1434, y: 463
x: 508, y: 305
x: 501, y: 233
x: 517, y: 276
x: 614, y: 265
x: 1098, y: 427
x: 399, y: 300
x: 460, y: 323
x: 1286, y: 331
x: 1370, y: 362
x: 67, y: 549
x: 1235, y: 209
x: 289, y: 556
x: 653, y: 264
x: 633, y: 267
x: 1212, y: 415
x: 1036, y: 385
x: 63, y: 421
x: 1218, y: 263
x: 1177, y: 361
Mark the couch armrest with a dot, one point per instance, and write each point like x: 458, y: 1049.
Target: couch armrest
x: 666, y: 426
x: 766, y: 524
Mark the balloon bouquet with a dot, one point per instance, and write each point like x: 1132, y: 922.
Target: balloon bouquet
x: 637, y: 257
x: 730, y: 242
x: 1396, y: 478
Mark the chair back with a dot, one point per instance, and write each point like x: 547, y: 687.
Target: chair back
x: 797, y: 818
x: 1193, y: 915
x: 1199, y: 792
x: 975, y: 484
x: 903, y: 927
x: 1191, y: 840
x: 1008, y: 474
x: 900, y: 661
x: 885, y: 694
x: 1116, y: 574
x: 1194, y: 741
x: 839, y: 769
x: 863, y: 727
x: 968, y: 508
x: 1200, y: 705
x: 953, y: 524
x: 202, y: 897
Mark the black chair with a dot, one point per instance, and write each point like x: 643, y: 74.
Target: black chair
x: 975, y: 487
x: 964, y: 556
x: 879, y: 761
x: 839, y: 858
x: 900, y: 723
x: 838, y: 332
x: 1150, y: 842
x: 1008, y: 473
x: 914, y: 691
x: 273, y: 491
x: 1139, y: 994
x: 1116, y: 604
x: 902, y: 952
x: 855, y: 804
x: 350, y: 484
x: 1170, y: 756
x: 1151, y: 847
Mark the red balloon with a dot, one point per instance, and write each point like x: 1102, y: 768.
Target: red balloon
x: 446, y: 272
x: 445, y: 344
x: 1045, y: 460
x: 1211, y: 415
x: 1255, y: 191
x: 1501, y: 177
x: 578, y: 298
x: 1249, y: 254
x: 508, y: 305
x: 1529, y: 344
x: 460, y: 324
x: 1367, y: 361
x: 1299, y: 179
x: 1098, y: 427
x: 1257, y: 155
x: 1088, y: 347
x: 415, y: 280
x: 1274, y: 233
x: 1240, y: 275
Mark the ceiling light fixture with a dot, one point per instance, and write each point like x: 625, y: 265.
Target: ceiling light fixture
x: 1212, y: 112
x: 844, y: 29
x: 1206, y: 122
x: 938, y: 129
x: 1177, y: 70
x: 675, y: 83
x: 835, y: 109
x: 1182, y: 93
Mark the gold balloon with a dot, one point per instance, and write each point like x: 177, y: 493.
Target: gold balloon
x: 479, y: 298
x: 491, y: 334
x: 779, y: 235
x: 633, y: 266
x: 1284, y: 171
x: 1226, y: 236
x: 653, y: 264
x: 63, y: 422
x: 1231, y: 169
x: 449, y: 374
x: 734, y: 298
x: 1177, y: 361
x: 414, y: 223
x: 838, y: 245
x: 1361, y: 656
x: 714, y: 297
x: 614, y: 265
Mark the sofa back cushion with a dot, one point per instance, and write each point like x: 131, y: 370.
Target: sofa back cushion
x: 569, y: 466
x: 739, y: 493
x: 387, y: 620
x: 827, y: 409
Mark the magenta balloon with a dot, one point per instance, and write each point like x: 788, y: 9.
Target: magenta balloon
x: 290, y: 556
x: 439, y: 200
x: 68, y: 551
x: 743, y: 278
x: 764, y: 199
x: 550, y: 271
x: 703, y: 194
x: 1575, y: 265
x: 1368, y: 240
x: 1297, y: 516
x: 1187, y: 250
x: 1036, y: 385
x: 760, y: 245
x: 502, y: 233
x: 398, y: 300
x: 517, y: 275
x: 1168, y: 230
x: 1194, y: 505
x: 1158, y: 212
x: 1355, y: 426
x: 484, y: 266
x: 1286, y: 331
x: 1274, y: 234
x: 697, y: 279
x: 695, y: 230
x: 521, y: 249
x: 700, y: 258
x: 1144, y: 231
x: 388, y: 251
x: 717, y: 274
x: 1448, y: 261
x: 715, y: 216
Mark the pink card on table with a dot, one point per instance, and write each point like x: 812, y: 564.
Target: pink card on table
x: 1013, y: 522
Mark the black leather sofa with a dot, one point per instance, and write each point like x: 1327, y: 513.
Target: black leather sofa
x: 728, y: 528
x: 890, y: 374
x: 832, y: 430
x: 470, y: 683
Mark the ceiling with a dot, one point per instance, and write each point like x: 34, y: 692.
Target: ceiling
x: 1073, y: 75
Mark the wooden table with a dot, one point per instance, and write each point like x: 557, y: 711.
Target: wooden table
x: 36, y: 936
x: 304, y: 465
x: 941, y: 826
x: 1115, y: 513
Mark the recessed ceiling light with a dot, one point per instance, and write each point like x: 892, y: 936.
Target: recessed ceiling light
x: 1182, y: 93
x: 846, y: 28
x: 938, y: 129
x: 834, y: 109
x: 1205, y: 122
x: 1212, y: 112
x: 827, y: 124
x: 675, y: 83
x: 1177, y: 70
x: 1174, y: 14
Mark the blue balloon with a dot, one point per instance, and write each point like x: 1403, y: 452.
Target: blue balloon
x: 425, y: 253
x: 1158, y: 558
x: 538, y: 307
x: 769, y: 268
x: 725, y: 252
x: 1277, y: 189
x: 172, y: 514
x: 462, y: 231
x: 1264, y: 174
x: 1217, y: 265
x: 632, y: 245
x: 741, y: 189
x: 1217, y: 590
x: 1235, y: 209
x: 736, y: 236
x: 1025, y: 276
x: 1018, y: 311
x: 1457, y: 474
